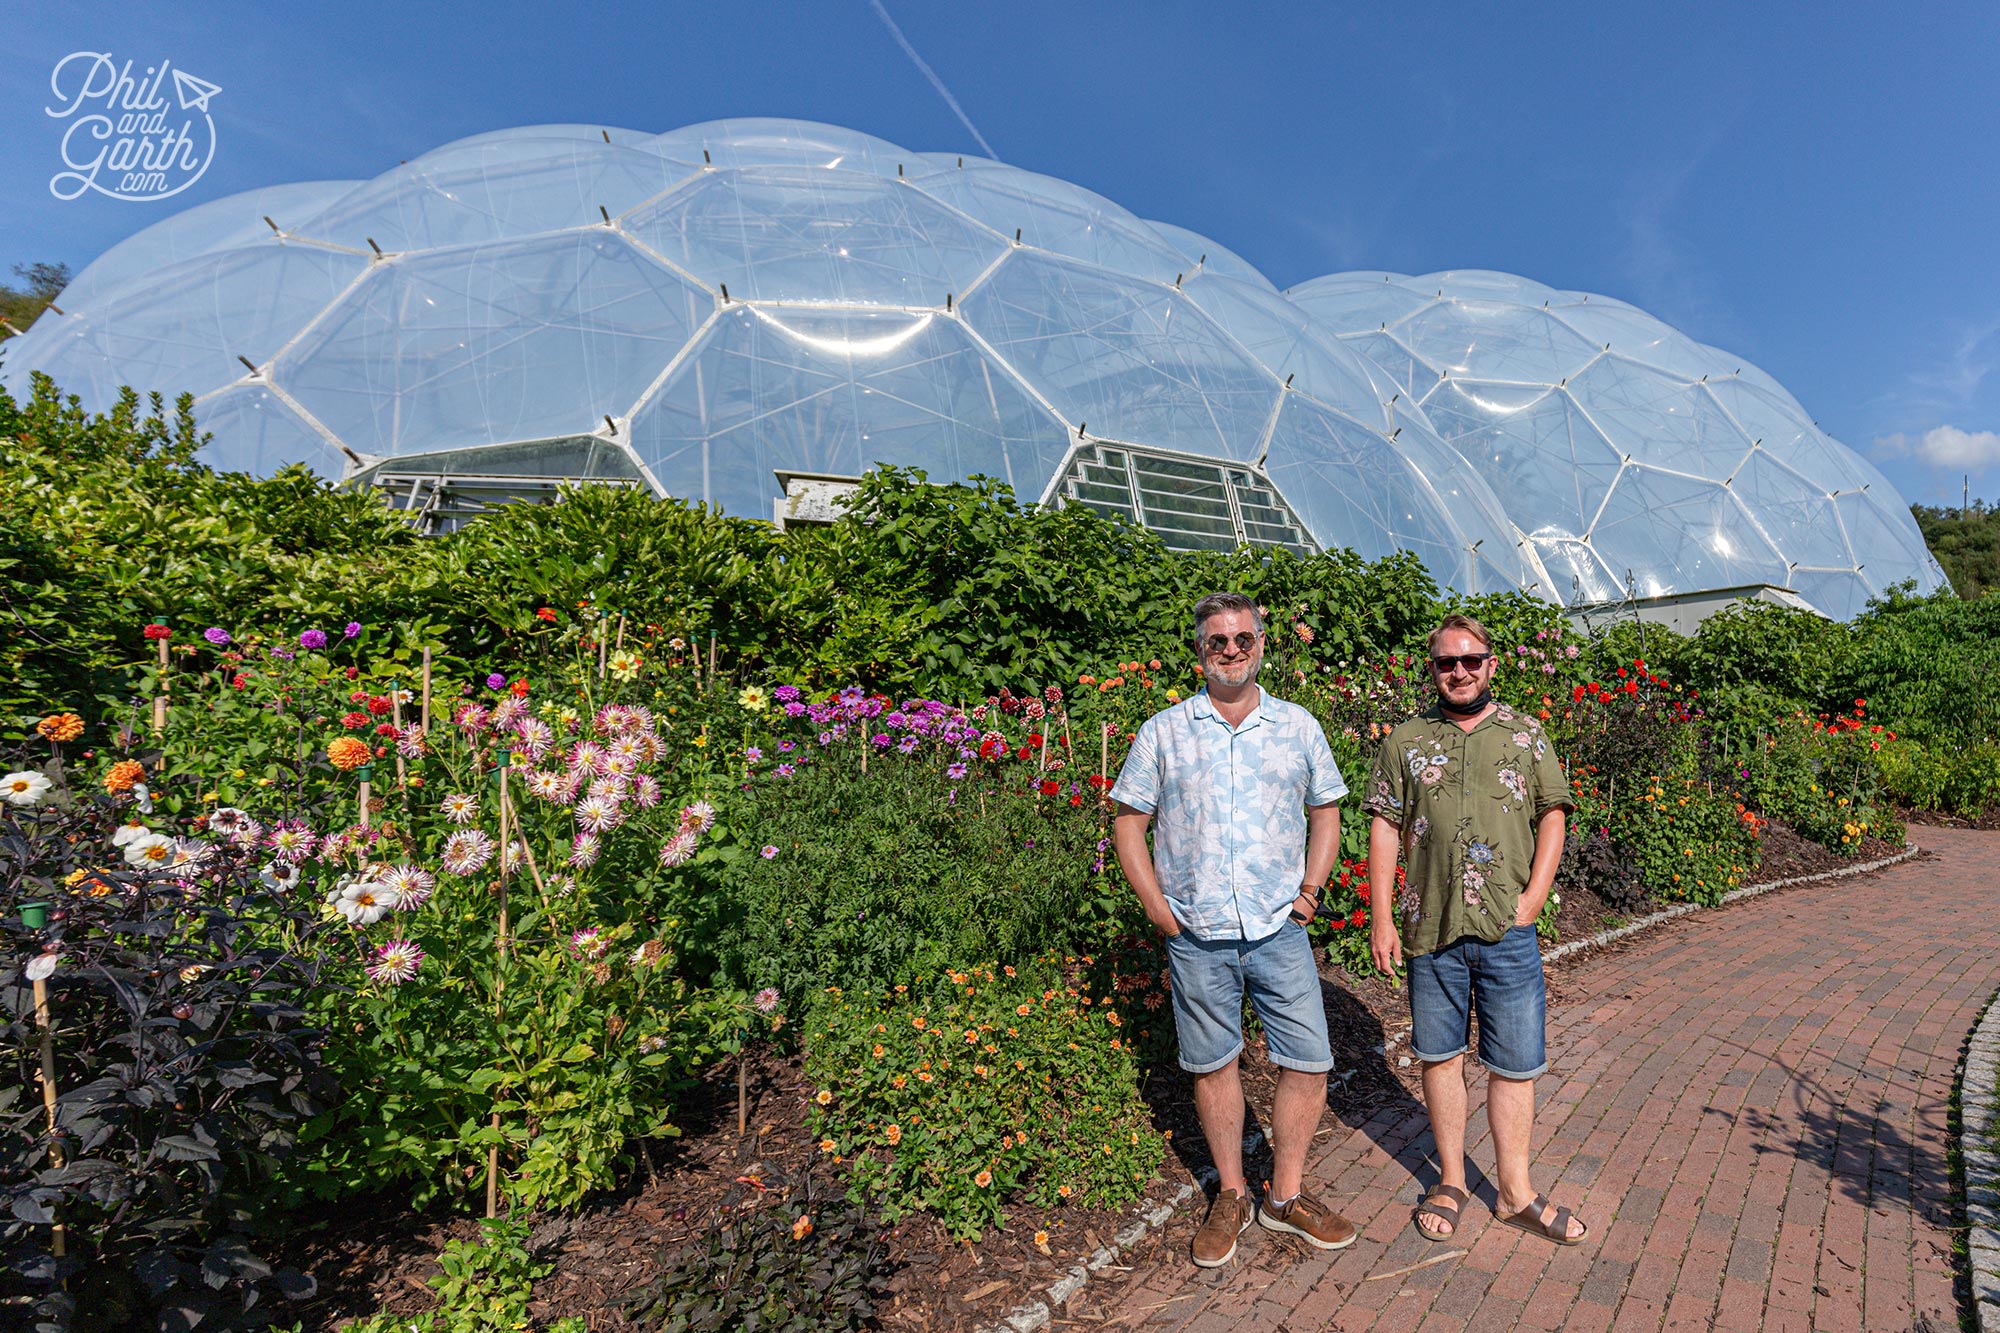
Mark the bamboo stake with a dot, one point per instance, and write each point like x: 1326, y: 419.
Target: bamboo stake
x: 711, y: 657
x: 60, y: 1237
x: 499, y: 985
x: 620, y: 645
x: 742, y: 1091
x: 424, y: 720
x: 603, y: 648
x: 160, y: 699
x: 364, y: 802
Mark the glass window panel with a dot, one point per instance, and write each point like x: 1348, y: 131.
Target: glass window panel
x: 791, y: 234
x: 839, y: 392
x: 1133, y: 361
x: 516, y: 341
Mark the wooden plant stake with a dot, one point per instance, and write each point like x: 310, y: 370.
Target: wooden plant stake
x: 365, y: 772
x: 34, y: 915
x: 603, y: 647
x: 424, y: 719
x: 160, y: 699
x: 620, y: 645
x: 742, y: 1088
x: 396, y: 716
x: 499, y: 985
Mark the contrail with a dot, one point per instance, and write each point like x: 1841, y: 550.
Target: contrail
x: 931, y: 74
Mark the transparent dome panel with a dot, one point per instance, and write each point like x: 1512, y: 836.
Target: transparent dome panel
x: 838, y: 392
x: 1491, y: 341
x: 1839, y: 593
x: 1411, y: 377
x: 1353, y: 488
x: 1639, y: 338
x: 1659, y: 420
x: 221, y: 224
x: 1678, y: 535
x: 1209, y: 256
x: 1532, y: 445
x: 1285, y: 341
x: 1780, y: 427
x: 1481, y: 284
x: 1800, y: 517
x: 255, y: 432
x: 560, y: 133
x: 523, y: 340
x: 1886, y: 551
x: 1353, y: 303
x: 184, y: 332
x: 1126, y: 360
x: 493, y: 191
x: 1576, y: 572
x: 791, y: 234
x: 1058, y: 217
x: 760, y: 142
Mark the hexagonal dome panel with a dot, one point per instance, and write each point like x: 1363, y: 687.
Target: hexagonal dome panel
x: 1631, y: 455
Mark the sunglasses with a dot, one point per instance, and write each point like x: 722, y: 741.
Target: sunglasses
x: 1245, y: 640
x: 1467, y: 661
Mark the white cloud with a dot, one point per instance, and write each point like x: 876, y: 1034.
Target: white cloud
x: 1944, y: 446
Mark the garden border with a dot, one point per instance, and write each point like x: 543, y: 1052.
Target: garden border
x: 1979, y: 1107
x: 1034, y: 1314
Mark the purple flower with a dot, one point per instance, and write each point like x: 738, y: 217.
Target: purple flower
x: 753, y: 754
x: 495, y: 681
x: 955, y: 772
x: 785, y: 747
x: 882, y: 740
x: 768, y: 852
x: 785, y: 694
x: 216, y: 635
x: 786, y: 770
x: 353, y: 630
x: 767, y: 999
x: 313, y: 638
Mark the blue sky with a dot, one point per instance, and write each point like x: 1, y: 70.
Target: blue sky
x: 1812, y: 187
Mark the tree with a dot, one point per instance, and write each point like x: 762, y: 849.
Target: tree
x: 21, y: 306
x: 1966, y: 541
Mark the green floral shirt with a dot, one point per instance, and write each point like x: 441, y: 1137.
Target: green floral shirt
x: 1467, y: 802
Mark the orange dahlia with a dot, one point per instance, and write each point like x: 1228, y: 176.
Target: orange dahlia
x: 346, y: 753
x: 123, y: 774
x: 60, y: 727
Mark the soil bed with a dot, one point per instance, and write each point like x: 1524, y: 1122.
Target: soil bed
x: 377, y: 1255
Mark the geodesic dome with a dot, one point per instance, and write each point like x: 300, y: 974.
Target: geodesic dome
x: 1631, y: 456
x: 705, y: 309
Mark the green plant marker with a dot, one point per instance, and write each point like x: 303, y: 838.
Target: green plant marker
x: 35, y: 915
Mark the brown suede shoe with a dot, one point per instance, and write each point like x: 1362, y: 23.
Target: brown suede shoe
x: 1309, y: 1220
x: 1228, y: 1216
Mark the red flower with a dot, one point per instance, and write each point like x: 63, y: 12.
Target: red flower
x: 1050, y: 787
x: 1577, y: 694
x: 158, y: 631
x: 519, y: 689
x: 1021, y: 753
x: 545, y: 613
x: 239, y: 680
x: 353, y: 720
x: 353, y: 672
x: 1631, y: 686
x: 386, y: 729
x: 379, y: 704
x: 1077, y: 799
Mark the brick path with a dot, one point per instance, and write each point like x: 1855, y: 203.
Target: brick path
x: 1748, y: 1107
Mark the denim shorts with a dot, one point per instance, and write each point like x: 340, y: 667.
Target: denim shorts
x: 1504, y: 981
x: 1210, y: 978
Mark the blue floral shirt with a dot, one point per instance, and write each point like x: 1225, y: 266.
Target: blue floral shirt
x: 1229, y: 809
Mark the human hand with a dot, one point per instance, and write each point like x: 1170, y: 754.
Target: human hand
x: 1385, y: 942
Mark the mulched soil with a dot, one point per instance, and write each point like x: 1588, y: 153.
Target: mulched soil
x: 377, y: 1255
x: 1987, y: 819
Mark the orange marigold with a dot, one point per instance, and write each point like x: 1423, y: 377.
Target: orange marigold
x: 123, y: 774
x: 346, y: 752
x: 60, y: 727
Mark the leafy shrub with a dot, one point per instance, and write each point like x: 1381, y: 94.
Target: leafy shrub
x: 887, y: 841
x: 787, y: 1256
x: 1962, y: 780
x: 483, y: 1286
x: 1823, y: 778
x: 953, y: 1095
x: 184, y: 1063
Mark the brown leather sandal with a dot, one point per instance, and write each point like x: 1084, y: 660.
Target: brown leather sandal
x: 1449, y: 1216
x: 1529, y: 1219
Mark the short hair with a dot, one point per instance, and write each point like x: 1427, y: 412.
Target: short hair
x: 1216, y: 603
x: 1465, y: 623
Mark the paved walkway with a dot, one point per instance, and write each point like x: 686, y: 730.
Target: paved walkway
x: 1748, y: 1106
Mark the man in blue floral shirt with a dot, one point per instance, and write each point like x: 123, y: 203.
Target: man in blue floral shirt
x: 1241, y: 793
x: 1473, y: 797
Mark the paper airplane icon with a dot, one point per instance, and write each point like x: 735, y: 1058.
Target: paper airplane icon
x: 194, y: 93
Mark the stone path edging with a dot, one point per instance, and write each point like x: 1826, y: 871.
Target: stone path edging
x: 1034, y: 1314
x: 1604, y: 937
x: 1979, y: 1107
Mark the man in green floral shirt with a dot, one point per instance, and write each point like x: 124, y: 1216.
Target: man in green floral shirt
x: 1474, y: 799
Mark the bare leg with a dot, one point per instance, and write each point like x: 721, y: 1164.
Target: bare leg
x: 1444, y: 1099
x: 1218, y: 1102
x: 1295, y: 1113
x: 1510, y: 1109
